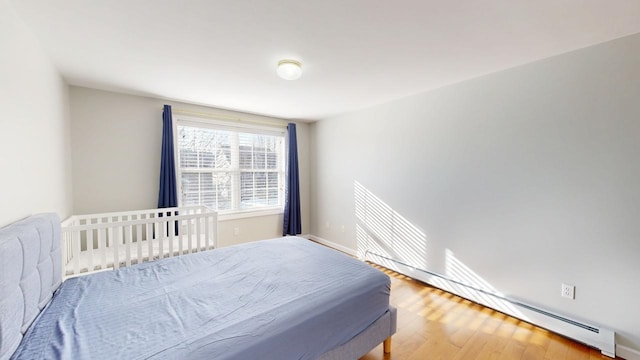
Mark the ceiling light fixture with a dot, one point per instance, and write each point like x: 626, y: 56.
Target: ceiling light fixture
x: 289, y: 69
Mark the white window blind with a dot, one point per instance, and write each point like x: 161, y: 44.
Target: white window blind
x: 229, y: 168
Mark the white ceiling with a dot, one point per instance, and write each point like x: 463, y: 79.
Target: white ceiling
x: 355, y: 53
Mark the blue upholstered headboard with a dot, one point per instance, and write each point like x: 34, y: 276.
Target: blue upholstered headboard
x: 30, y: 272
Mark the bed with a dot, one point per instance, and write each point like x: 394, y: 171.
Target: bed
x: 285, y: 298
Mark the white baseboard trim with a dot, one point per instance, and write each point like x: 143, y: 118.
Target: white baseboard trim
x: 627, y: 353
x: 331, y: 244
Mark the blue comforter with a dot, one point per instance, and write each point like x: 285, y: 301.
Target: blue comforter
x: 278, y: 299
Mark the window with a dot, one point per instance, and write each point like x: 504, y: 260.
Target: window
x: 230, y: 168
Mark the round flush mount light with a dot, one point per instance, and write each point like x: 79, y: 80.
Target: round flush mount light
x: 289, y: 69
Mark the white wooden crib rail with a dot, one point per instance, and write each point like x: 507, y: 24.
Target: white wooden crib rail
x: 111, y: 240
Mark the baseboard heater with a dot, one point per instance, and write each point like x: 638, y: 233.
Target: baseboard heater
x: 592, y: 335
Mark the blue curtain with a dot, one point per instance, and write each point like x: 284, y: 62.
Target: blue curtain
x: 292, y: 224
x: 167, y: 197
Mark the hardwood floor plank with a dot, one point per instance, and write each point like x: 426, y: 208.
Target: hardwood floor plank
x: 557, y: 349
x: 513, y: 351
x: 534, y: 352
x: 473, y: 347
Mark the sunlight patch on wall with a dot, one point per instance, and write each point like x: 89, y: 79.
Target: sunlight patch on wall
x: 470, y: 285
x: 387, y: 238
x: 382, y: 230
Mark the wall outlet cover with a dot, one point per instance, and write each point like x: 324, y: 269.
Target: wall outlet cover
x: 568, y: 291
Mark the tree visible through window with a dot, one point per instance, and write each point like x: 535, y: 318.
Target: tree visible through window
x: 230, y: 170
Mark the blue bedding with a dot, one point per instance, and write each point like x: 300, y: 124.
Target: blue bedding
x: 278, y: 299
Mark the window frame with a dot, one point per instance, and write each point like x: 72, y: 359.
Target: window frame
x: 220, y: 124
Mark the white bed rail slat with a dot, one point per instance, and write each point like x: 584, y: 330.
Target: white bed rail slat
x: 127, y: 243
x: 149, y: 239
x: 111, y: 240
x: 102, y: 247
x: 113, y: 236
x: 76, y: 250
x: 198, y: 239
x: 180, y: 243
x: 189, y: 236
x: 172, y: 236
x: 90, y: 246
x: 139, y: 243
x: 163, y: 232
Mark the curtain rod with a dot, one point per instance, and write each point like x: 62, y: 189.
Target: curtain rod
x: 226, y: 117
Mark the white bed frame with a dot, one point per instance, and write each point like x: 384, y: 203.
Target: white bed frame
x: 98, y: 242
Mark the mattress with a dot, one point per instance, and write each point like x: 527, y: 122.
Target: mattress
x: 284, y: 298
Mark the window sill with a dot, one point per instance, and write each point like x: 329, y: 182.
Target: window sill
x: 249, y: 214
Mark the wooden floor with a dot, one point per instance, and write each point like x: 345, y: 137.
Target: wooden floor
x: 434, y: 324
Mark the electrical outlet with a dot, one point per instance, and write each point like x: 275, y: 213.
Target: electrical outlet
x: 568, y: 291
x: 236, y: 231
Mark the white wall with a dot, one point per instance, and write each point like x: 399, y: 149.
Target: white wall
x: 116, y: 143
x: 34, y: 140
x: 527, y: 178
